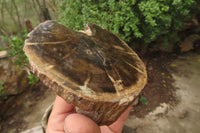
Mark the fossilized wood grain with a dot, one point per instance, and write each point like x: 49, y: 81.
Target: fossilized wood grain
x: 98, y: 73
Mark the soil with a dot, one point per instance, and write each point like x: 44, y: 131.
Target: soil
x: 16, y: 112
x: 184, y: 115
x: 159, y: 88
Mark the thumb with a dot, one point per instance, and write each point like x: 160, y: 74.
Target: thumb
x: 77, y: 123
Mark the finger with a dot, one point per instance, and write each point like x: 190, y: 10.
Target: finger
x: 117, y: 126
x: 61, y: 106
x: 60, y: 111
x: 77, y: 123
x: 106, y: 129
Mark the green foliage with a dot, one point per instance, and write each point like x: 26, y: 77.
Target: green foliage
x: 16, y: 49
x: 32, y: 79
x: 4, y: 38
x: 1, y: 88
x: 130, y: 19
x: 143, y: 100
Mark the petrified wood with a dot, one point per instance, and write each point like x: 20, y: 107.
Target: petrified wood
x: 93, y: 69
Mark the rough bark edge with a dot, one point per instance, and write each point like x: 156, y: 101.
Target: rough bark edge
x: 103, y: 113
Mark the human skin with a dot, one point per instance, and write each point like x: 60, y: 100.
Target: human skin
x: 64, y: 119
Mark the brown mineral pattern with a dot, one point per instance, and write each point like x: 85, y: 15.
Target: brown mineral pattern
x: 93, y: 69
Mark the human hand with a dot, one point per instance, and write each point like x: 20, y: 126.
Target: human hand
x: 64, y: 119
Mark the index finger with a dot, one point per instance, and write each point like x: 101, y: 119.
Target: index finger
x: 61, y: 110
x: 117, y: 126
x: 61, y: 107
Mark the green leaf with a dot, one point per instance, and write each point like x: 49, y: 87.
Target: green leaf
x: 1, y: 88
x: 32, y: 79
x: 143, y: 100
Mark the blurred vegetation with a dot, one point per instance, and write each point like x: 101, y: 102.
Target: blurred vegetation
x: 32, y: 79
x: 1, y: 88
x: 15, y: 13
x: 143, y: 100
x: 135, y: 21
x: 16, y: 49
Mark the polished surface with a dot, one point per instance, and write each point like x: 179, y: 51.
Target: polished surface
x: 99, y: 62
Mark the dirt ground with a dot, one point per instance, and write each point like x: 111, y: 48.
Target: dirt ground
x: 184, y: 115
x: 172, y: 96
x: 26, y: 110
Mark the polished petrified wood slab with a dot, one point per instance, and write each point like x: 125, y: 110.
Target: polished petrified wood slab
x: 93, y: 69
